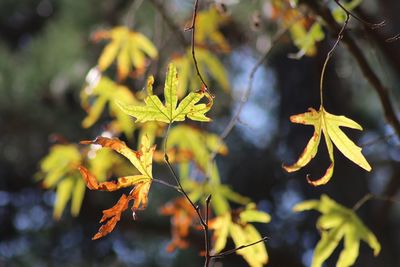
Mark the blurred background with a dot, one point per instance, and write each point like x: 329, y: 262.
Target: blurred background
x: 45, y: 54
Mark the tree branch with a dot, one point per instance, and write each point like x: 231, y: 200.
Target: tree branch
x: 170, y: 22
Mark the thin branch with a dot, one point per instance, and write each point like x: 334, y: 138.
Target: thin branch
x: 203, y: 222
x: 193, y: 29
x: 206, y: 235
x: 393, y: 39
x: 351, y: 14
x: 329, y: 55
x: 366, y: 69
x: 370, y: 196
x: 362, y: 201
x: 236, y: 118
x: 377, y: 140
x: 167, y: 184
x: 171, y: 23
x: 231, y: 251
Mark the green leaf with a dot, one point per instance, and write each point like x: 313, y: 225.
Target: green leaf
x: 154, y: 110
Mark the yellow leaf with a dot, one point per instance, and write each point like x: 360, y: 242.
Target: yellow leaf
x: 154, y: 110
x: 328, y: 124
x: 335, y: 223
x: 210, y: 67
x: 199, y: 144
x: 242, y: 233
x: 64, y: 190
x: 128, y: 47
x: 207, y: 29
x: 108, y: 92
x: 59, y: 169
x: 306, y: 39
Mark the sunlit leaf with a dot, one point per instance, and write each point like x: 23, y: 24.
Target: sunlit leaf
x: 60, y: 169
x: 142, y: 160
x: 336, y: 223
x: 94, y: 99
x: 328, y: 124
x: 199, y: 144
x: 209, y: 66
x: 155, y: 110
x: 242, y: 233
x: 207, y: 32
x: 129, y: 48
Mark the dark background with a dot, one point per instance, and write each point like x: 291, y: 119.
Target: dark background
x: 45, y: 53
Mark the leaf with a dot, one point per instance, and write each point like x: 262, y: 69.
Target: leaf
x: 154, y: 110
x: 199, y: 144
x: 103, y: 93
x: 183, y: 216
x: 329, y: 125
x: 306, y: 39
x: 59, y: 169
x: 142, y: 160
x: 340, y: 15
x: 208, y: 23
x: 242, y: 233
x: 338, y: 222
x: 209, y: 65
x: 128, y: 47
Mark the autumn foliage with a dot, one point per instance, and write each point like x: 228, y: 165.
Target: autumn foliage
x: 165, y: 125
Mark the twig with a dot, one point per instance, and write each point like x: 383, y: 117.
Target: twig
x: 362, y: 61
x: 235, y: 119
x: 377, y: 140
x: 393, y: 39
x: 351, y: 14
x: 231, y: 251
x: 193, y: 29
x: 362, y: 201
x: 167, y: 184
x: 370, y: 196
x: 206, y: 235
x: 329, y: 55
x: 203, y: 222
x: 170, y: 22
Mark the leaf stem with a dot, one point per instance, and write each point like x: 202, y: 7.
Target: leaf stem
x: 329, y: 55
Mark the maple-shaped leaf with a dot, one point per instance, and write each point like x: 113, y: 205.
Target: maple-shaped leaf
x: 182, y: 217
x: 207, y: 29
x: 328, y: 124
x: 336, y: 223
x: 95, y: 97
x: 142, y: 160
x: 209, y: 66
x: 242, y: 233
x: 59, y: 170
x: 155, y: 110
x: 128, y: 47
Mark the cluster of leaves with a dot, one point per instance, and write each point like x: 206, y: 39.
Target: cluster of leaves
x: 190, y: 149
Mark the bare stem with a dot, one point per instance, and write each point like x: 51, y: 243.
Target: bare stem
x: 203, y: 222
x: 329, y: 55
x: 193, y: 29
x: 231, y: 251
